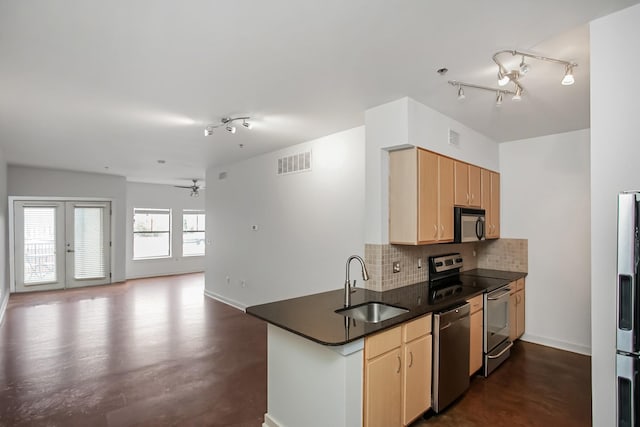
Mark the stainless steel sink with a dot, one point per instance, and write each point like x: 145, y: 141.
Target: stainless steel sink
x: 372, y: 312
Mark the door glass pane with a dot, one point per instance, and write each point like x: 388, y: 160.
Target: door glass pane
x: 89, y: 243
x: 39, y: 245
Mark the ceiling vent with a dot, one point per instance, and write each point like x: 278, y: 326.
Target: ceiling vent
x: 295, y: 163
x: 454, y: 138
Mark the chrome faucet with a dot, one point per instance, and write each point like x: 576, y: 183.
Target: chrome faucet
x: 347, y: 282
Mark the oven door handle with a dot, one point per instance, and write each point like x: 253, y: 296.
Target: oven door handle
x: 502, y: 294
x: 501, y: 353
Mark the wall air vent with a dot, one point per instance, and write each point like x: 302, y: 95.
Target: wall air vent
x: 454, y: 138
x: 295, y: 163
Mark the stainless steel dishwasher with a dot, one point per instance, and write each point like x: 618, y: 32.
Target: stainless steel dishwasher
x: 450, y: 355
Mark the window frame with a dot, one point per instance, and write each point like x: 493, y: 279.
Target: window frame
x: 168, y: 231
x: 186, y: 212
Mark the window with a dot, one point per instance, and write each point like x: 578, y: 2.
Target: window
x: 193, y: 241
x: 151, y: 233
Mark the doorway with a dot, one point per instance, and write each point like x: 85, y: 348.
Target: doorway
x: 61, y: 244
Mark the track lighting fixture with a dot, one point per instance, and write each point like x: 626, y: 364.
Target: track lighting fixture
x: 227, y: 122
x: 506, y: 76
x: 524, y: 68
x: 498, y: 91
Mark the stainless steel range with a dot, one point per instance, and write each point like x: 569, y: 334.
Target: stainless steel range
x: 496, y: 343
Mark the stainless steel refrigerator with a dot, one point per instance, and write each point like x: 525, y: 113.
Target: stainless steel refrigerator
x: 628, y: 311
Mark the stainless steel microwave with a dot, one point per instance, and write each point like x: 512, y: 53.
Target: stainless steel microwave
x: 468, y: 225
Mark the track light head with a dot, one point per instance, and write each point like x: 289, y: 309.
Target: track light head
x: 518, y: 94
x: 460, y: 93
x: 503, y: 78
x: 524, y: 68
x: 499, y: 99
x: 568, y: 76
x: 247, y: 124
x: 208, y: 131
x: 231, y: 129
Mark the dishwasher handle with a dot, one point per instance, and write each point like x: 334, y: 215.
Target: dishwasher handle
x: 447, y: 318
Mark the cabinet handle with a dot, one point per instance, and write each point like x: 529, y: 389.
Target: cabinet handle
x: 435, y: 230
x: 399, y: 364
x: 411, y: 359
x: 518, y: 299
x: 441, y: 230
x: 467, y: 197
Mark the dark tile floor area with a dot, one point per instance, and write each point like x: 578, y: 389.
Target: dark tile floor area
x: 156, y: 352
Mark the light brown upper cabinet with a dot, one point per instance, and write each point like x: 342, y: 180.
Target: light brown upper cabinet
x: 421, y: 192
x: 467, y: 185
x: 491, y: 203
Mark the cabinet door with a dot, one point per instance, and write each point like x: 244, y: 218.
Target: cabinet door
x: 383, y: 388
x: 513, y: 317
x: 520, y: 313
x: 416, y: 378
x: 427, y: 196
x: 474, y: 186
x: 445, y: 198
x: 475, y: 342
x: 461, y: 183
x: 495, y: 205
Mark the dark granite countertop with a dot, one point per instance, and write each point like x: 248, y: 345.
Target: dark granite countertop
x: 497, y: 274
x: 314, y: 316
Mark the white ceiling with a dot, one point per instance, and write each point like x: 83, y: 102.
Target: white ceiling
x: 86, y: 85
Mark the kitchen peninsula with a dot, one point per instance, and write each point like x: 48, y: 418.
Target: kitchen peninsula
x: 316, y: 356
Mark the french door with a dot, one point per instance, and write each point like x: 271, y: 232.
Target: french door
x: 61, y: 244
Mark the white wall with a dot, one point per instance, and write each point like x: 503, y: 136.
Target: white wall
x: 615, y: 154
x: 545, y: 199
x: 406, y: 122
x: 308, y: 223
x: 4, y: 239
x: 36, y: 182
x: 162, y: 197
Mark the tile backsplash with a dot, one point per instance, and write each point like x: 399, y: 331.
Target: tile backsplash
x: 501, y: 254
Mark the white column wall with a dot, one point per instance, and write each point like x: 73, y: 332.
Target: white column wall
x: 4, y: 238
x: 545, y: 199
x: 615, y: 154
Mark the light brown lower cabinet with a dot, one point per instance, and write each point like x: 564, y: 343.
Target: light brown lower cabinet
x: 397, y: 374
x: 476, y: 334
x: 516, y: 309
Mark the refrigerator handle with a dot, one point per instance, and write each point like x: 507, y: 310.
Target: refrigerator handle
x: 626, y: 388
x: 627, y: 310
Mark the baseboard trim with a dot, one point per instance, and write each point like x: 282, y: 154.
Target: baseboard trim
x: 225, y: 300
x: 3, y: 306
x: 269, y: 421
x: 152, y: 275
x: 561, y: 345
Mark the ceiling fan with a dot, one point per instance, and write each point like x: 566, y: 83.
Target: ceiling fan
x: 194, y: 188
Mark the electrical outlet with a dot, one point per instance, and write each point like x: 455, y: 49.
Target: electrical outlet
x: 396, y: 266
x: 228, y: 280
x: 419, y: 262
x: 243, y: 283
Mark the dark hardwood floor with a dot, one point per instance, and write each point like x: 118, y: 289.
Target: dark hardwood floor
x: 156, y: 352
x: 148, y: 352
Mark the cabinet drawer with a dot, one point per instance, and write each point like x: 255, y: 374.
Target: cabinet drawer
x: 476, y: 303
x: 520, y: 284
x: 383, y: 342
x: 417, y: 328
